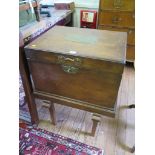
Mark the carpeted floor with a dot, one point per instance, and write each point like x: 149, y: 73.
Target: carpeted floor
x: 35, y: 141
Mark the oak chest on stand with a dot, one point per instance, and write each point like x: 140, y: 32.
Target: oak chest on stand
x: 80, y: 68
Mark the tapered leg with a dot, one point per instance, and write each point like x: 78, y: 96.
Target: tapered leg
x: 37, y: 11
x: 51, y: 109
x: 52, y: 113
x: 96, y: 119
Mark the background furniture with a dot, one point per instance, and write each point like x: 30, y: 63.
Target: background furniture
x: 73, y: 67
x: 26, y: 6
x: 119, y: 15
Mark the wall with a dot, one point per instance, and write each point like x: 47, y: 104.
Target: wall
x: 79, y: 5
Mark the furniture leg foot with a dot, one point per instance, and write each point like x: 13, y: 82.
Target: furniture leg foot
x: 96, y: 119
x: 51, y: 109
x: 131, y: 106
x: 133, y: 149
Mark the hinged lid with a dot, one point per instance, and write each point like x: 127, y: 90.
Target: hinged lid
x: 92, y: 43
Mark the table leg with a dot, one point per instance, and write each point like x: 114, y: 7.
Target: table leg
x: 27, y: 87
x: 51, y: 109
x: 96, y: 119
x: 37, y: 11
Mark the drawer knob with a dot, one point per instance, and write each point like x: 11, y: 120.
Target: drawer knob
x: 69, y: 65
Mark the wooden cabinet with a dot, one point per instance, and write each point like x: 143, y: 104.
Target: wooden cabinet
x: 119, y: 15
x: 71, y: 66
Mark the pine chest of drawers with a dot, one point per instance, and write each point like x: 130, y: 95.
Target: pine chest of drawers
x: 119, y: 15
x: 81, y: 68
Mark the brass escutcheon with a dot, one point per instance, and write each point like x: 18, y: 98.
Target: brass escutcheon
x: 69, y: 65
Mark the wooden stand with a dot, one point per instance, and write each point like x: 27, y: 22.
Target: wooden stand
x: 51, y: 108
x: 96, y: 119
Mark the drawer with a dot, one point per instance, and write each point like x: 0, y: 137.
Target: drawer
x: 76, y: 78
x: 130, y: 55
x: 128, y: 5
x: 119, y: 19
x: 131, y: 33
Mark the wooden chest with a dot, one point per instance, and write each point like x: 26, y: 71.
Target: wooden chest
x: 119, y: 15
x: 81, y: 68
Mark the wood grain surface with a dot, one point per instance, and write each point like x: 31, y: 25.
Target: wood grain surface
x: 99, y: 44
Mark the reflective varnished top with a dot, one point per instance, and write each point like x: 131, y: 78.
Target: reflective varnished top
x: 92, y: 43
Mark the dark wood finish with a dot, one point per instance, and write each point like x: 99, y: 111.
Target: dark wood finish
x: 51, y: 109
x: 87, y: 63
x: 84, y: 80
x: 27, y: 87
x: 87, y: 85
x: 75, y: 104
x: 119, y: 15
x: 132, y: 106
x: 35, y: 4
x: 83, y: 43
x: 24, y: 72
